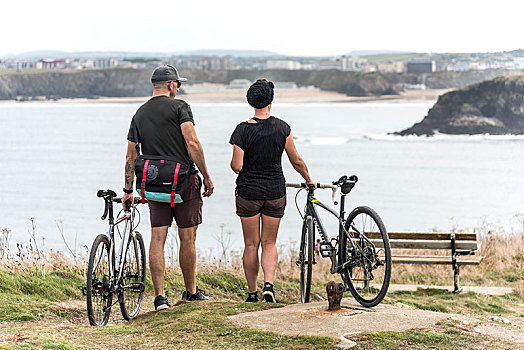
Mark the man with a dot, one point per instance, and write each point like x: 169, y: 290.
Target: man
x: 164, y: 126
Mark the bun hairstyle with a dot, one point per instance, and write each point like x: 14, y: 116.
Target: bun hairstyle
x: 260, y: 94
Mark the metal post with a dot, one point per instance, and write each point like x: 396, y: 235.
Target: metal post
x: 456, y: 276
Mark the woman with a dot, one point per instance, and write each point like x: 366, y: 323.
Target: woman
x: 258, y: 145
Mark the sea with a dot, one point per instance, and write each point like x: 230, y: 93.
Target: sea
x: 55, y: 156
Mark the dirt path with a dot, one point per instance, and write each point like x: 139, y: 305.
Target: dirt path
x: 478, y: 290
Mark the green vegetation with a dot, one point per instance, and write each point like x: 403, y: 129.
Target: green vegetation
x: 56, y: 302
x: 463, y: 303
x: 444, y: 336
x: 204, y: 325
x: 25, y: 297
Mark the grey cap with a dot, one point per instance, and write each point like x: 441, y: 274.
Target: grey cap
x: 166, y: 73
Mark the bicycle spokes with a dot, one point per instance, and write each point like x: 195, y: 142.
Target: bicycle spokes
x: 133, y: 278
x: 367, y: 269
x: 99, y: 286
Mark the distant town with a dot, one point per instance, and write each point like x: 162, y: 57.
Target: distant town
x: 381, y: 62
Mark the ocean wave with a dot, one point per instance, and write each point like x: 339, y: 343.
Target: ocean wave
x: 410, y: 138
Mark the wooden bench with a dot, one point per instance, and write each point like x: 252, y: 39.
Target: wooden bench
x: 461, y: 246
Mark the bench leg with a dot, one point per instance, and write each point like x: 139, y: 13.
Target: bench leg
x: 456, y: 268
x: 456, y: 278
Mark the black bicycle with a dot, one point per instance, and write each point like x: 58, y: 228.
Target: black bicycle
x: 110, y: 273
x: 360, y: 253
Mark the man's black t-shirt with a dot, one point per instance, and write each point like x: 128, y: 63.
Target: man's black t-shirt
x: 263, y: 143
x: 158, y: 125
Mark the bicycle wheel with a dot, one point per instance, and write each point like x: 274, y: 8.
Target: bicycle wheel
x: 133, y: 277
x: 306, y: 258
x: 98, y: 289
x: 367, y: 269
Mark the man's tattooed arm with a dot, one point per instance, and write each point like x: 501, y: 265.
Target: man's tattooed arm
x: 130, y: 165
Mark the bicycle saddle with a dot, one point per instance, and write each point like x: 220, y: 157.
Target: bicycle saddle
x: 104, y: 193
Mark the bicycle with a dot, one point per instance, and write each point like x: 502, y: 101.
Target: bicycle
x: 122, y: 274
x: 361, y: 252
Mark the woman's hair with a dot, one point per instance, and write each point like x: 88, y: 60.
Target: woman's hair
x: 260, y: 93
x: 267, y: 81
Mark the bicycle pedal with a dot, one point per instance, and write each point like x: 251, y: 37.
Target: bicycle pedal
x: 84, y: 291
x: 326, y: 249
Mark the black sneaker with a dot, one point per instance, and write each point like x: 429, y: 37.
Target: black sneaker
x: 197, y: 296
x: 161, y: 303
x: 252, y: 297
x: 268, y: 293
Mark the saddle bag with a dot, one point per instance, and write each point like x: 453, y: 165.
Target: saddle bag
x: 161, y: 178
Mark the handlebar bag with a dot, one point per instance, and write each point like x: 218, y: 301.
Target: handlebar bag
x: 161, y: 178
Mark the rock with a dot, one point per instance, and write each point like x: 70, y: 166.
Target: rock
x: 499, y: 319
x: 493, y: 107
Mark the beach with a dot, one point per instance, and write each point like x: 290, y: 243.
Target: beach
x: 298, y: 95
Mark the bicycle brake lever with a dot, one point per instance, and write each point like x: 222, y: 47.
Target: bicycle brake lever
x: 334, y: 196
x: 106, y: 210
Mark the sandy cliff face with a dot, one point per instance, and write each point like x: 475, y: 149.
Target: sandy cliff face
x: 494, y: 107
x: 84, y: 84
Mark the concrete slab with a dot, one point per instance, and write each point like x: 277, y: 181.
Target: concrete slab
x: 314, y: 319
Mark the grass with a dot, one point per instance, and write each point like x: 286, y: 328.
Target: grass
x: 204, y: 325
x: 26, y: 298
x: 41, y: 305
x: 445, y: 336
x: 463, y: 303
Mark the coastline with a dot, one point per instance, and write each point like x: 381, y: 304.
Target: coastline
x: 299, y: 95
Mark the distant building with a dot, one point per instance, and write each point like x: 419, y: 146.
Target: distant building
x: 239, y: 84
x: 50, y: 63
x: 422, y: 67
x: 391, y: 67
x: 104, y: 63
x: 459, y: 66
x: 285, y: 85
x: 353, y: 63
x: 283, y: 64
x: 518, y: 62
x: 328, y: 64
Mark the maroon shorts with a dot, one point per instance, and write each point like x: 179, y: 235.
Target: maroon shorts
x: 271, y: 207
x: 186, y: 214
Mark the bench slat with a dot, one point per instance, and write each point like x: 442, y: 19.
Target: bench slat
x: 426, y: 244
x: 432, y: 260
x: 433, y: 236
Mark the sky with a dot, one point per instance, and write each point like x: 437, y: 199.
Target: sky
x: 295, y: 28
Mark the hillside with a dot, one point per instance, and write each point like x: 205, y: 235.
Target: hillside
x: 121, y: 82
x: 494, y: 107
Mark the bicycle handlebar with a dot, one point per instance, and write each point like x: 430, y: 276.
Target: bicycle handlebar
x: 303, y: 185
x: 319, y: 185
x: 136, y: 200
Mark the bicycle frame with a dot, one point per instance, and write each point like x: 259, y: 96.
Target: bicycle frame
x: 117, y: 262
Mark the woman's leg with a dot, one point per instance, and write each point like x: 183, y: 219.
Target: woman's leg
x: 269, y: 247
x: 251, y: 230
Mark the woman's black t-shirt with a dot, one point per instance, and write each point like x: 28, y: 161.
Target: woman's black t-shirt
x: 263, y: 142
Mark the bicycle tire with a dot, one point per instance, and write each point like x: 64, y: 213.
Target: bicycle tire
x: 98, y: 290
x: 365, y: 277
x: 134, y: 277
x: 306, y: 258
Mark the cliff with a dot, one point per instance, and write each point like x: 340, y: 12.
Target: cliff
x: 495, y: 107
x: 120, y: 82
x: 80, y: 84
